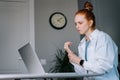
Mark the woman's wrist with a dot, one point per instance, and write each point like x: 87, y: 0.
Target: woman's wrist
x: 69, y: 51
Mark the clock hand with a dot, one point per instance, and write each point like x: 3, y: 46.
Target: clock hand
x: 59, y: 19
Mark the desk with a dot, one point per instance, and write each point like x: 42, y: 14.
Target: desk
x: 45, y: 76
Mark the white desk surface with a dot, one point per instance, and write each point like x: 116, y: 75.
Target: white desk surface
x: 45, y: 75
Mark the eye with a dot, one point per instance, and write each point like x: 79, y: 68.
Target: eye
x: 80, y: 23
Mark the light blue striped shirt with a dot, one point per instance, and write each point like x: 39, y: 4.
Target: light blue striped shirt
x: 102, y: 56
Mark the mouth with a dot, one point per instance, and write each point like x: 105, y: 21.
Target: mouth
x: 78, y: 30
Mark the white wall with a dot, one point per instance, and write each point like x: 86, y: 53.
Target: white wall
x: 15, y: 31
x: 47, y: 39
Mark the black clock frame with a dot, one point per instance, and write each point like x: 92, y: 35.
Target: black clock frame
x: 58, y: 28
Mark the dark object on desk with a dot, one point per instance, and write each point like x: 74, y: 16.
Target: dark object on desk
x: 62, y: 64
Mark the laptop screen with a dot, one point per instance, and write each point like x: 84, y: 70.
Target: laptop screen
x: 31, y: 59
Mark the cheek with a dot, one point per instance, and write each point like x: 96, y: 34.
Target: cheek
x: 84, y: 26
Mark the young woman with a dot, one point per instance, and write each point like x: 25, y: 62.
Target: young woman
x: 97, y: 51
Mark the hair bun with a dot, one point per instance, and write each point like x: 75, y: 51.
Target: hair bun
x: 88, y: 6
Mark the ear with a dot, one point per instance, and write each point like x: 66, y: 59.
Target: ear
x: 90, y: 23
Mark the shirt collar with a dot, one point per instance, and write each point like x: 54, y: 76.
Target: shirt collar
x: 93, y: 34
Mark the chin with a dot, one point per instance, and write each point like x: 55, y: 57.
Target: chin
x: 81, y: 33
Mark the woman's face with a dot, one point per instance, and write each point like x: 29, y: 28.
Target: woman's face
x: 82, y: 24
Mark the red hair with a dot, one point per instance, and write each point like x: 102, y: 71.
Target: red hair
x: 87, y: 12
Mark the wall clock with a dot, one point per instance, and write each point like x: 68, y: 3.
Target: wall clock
x: 58, y: 20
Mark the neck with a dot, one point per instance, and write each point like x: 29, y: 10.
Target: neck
x: 88, y: 34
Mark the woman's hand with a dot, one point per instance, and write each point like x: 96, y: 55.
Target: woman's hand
x: 67, y: 45
x: 72, y: 57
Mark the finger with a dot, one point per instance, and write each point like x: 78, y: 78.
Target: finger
x: 69, y: 43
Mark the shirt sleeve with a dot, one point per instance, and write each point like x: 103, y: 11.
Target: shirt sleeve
x: 79, y: 69
x: 104, y: 56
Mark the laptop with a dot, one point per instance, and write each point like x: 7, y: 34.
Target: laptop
x: 31, y: 59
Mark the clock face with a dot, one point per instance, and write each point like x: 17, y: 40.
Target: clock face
x: 58, y: 20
